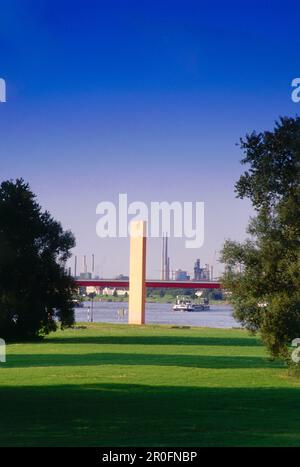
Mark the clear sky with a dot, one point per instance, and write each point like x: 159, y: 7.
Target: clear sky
x: 141, y: 97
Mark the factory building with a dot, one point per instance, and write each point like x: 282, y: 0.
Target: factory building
x: 180, y: 275
x: 201, y: 273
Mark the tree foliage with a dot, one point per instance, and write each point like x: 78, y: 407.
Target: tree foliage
x: 263, y: 273
x: 35, y: 291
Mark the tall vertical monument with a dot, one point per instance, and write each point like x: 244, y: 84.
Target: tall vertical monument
x: 137, y: 272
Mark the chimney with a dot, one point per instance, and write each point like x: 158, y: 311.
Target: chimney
x: 163, y: 259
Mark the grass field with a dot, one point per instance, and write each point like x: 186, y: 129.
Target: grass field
x: 116, y: 385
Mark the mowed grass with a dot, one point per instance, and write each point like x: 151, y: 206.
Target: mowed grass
x: 119, y: 385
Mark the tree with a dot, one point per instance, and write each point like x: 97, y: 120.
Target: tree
x: 263, y: 273
x: 212, y: 294
x: 35, y: 291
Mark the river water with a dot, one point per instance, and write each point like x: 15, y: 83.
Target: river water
x: 219, y: 316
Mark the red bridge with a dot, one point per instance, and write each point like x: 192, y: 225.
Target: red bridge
x: 150, y: 283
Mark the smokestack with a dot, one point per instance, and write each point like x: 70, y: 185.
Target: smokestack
x: 163, y: 259
x: 166, y: 259
x: 93, y: 262
x: 168, y: 269
x: 75, y: 267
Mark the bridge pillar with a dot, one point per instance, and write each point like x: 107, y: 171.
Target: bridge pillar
x: 137, y: 274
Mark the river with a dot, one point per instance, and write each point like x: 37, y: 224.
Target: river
x: 219, y: 316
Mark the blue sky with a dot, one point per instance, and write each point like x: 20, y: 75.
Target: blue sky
x: 145, y: 98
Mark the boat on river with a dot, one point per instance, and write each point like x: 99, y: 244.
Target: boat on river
x: 185, y: 304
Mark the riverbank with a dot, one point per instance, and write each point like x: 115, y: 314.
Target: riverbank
x: 120, y: 385
x: 167, y: 298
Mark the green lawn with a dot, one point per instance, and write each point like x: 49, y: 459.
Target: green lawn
x: 116, y: 385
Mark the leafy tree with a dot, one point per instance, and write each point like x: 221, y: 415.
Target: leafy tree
x: 263, y: 273
x: 189, y: 292
x: 35, y: 291
x: 162, y: 293
x: 212, y: 294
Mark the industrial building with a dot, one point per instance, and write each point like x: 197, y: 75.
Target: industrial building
x: 201, y: 273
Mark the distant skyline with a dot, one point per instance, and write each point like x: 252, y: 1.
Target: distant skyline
x: 144, y: 98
